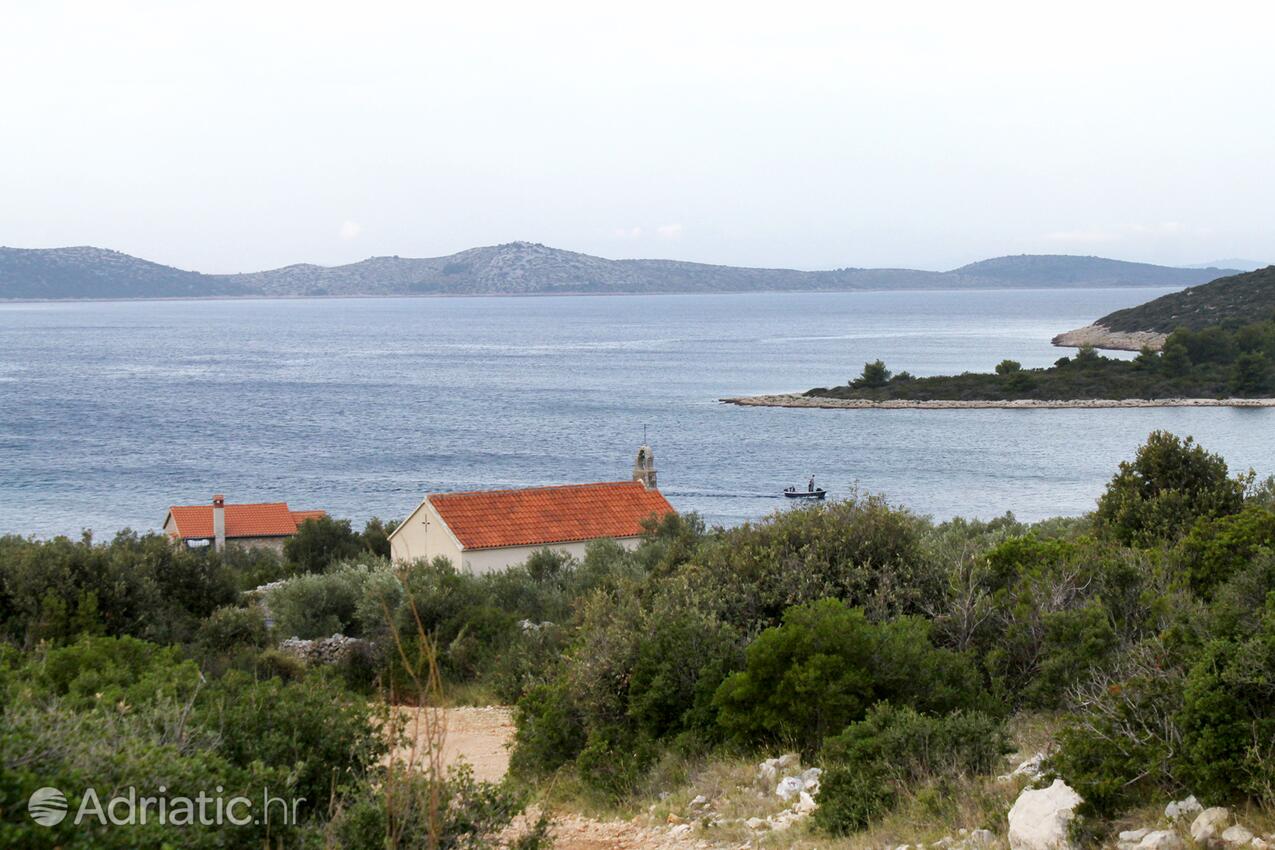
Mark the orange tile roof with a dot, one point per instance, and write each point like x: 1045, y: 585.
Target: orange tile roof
x: 268, y: 519
x: 493, y: 519
x: 301, y: 516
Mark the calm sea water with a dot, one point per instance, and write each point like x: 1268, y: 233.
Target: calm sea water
x: 110, y: 412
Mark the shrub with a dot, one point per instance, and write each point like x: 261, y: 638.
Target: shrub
x: 1119, y: 746
x: 455, y: 811
x: 860, y: 550
x: 1169, y: 484
x: 1228, y: 717
x: 549, y: 731
x: 1217, y: 548
x: 319, y: 605
x: 322, y: 732
x: 826, y: 665
x: 228, y: 629
x: 894, y: 748
x: 110, y: 672
x: 321, y: 542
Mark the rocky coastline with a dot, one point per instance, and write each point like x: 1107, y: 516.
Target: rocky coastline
x: 1100, y: 336
x: 796, y: 400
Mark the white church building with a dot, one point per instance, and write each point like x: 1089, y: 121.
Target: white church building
x: 487, y: 530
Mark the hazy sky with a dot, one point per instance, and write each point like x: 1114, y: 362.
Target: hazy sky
x: 228, y: 136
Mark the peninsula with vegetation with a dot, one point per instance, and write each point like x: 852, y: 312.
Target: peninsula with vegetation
x: 1215, y: 346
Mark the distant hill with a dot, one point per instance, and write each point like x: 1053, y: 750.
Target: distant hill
x: 86, y: 272
x: 1237, y: 263
x: 1246, y: 297
x: 1066, y: 270
x: 525, y: 268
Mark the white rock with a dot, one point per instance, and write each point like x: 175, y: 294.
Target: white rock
x: 756, y: 824
x: 1237, y: 836
x: 1162, y: 839
x: 1261, y: 844
x: 699, y: 802
x: 1183, y: 808
x: 788, y: 761
x: 903, y: 847
x: 680, y: 829
x: 982, y: 838
x: 789, y: 787
x: 768, y: 772
x: 810, y: 778
x: 1039, y: 819
x: 1132, y: 836
x: 805, y: 803
x: 1209, y: 824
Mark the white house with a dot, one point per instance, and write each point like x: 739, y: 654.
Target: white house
x: 487, y: 530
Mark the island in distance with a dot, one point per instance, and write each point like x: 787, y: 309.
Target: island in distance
x: 525, y: 268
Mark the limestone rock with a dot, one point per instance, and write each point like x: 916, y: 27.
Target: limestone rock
x: 1132, y: 836
x: 981, y: 838
x: 789, y: 787
x: 1209, y: 824
x: 1183, y: 808
x: 805, y: 803
x: 756, y: 824
x: 1039, y: 819
x: 1162, y: 839
x: 1030, y: 768
x: 1237, y: 836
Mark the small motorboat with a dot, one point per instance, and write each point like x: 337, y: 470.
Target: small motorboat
x: 794, y: 493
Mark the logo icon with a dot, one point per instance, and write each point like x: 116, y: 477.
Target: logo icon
x: 47, y: 806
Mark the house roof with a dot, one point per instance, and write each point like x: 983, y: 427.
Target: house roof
x: 266, y: 519
x: 538, y: 516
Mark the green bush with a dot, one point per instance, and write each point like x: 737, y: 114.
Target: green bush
x: 1159, y: 495
x: 111, y: 672
x: 860, y: 550
x: 1228, y: 717
x: 1119, y: 746
x: 324, y: 734
x: 1217, y: 548
x: 894, y: 748
x: 826, y: 665
x: 456, y: 812
x: 321, y: 542
x: 549, y: 731
x: 319, y: 605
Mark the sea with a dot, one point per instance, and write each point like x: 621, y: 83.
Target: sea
x: 112, y: 411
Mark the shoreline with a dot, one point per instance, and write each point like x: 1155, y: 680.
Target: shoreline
x: 1100, y: 336
x: 825, y: 403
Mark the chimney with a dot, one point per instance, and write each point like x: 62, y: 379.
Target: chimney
x: 219, y: 522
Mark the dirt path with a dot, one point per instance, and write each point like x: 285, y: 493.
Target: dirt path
x: 481, y: 736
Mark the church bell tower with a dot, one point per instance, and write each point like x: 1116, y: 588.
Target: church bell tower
x: 644, y: 467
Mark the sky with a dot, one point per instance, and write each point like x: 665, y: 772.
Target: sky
x: 237, y: 136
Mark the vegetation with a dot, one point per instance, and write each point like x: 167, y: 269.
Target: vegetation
x: 1216, y: 362
x: 892, y: 651
x: 1229, y: 301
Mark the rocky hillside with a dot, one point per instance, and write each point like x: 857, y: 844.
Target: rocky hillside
x: 524, y: 268
x: 1244, y: 297
x: 86, y: 272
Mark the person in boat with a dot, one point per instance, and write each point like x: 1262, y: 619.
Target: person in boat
x: 810, y: 488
